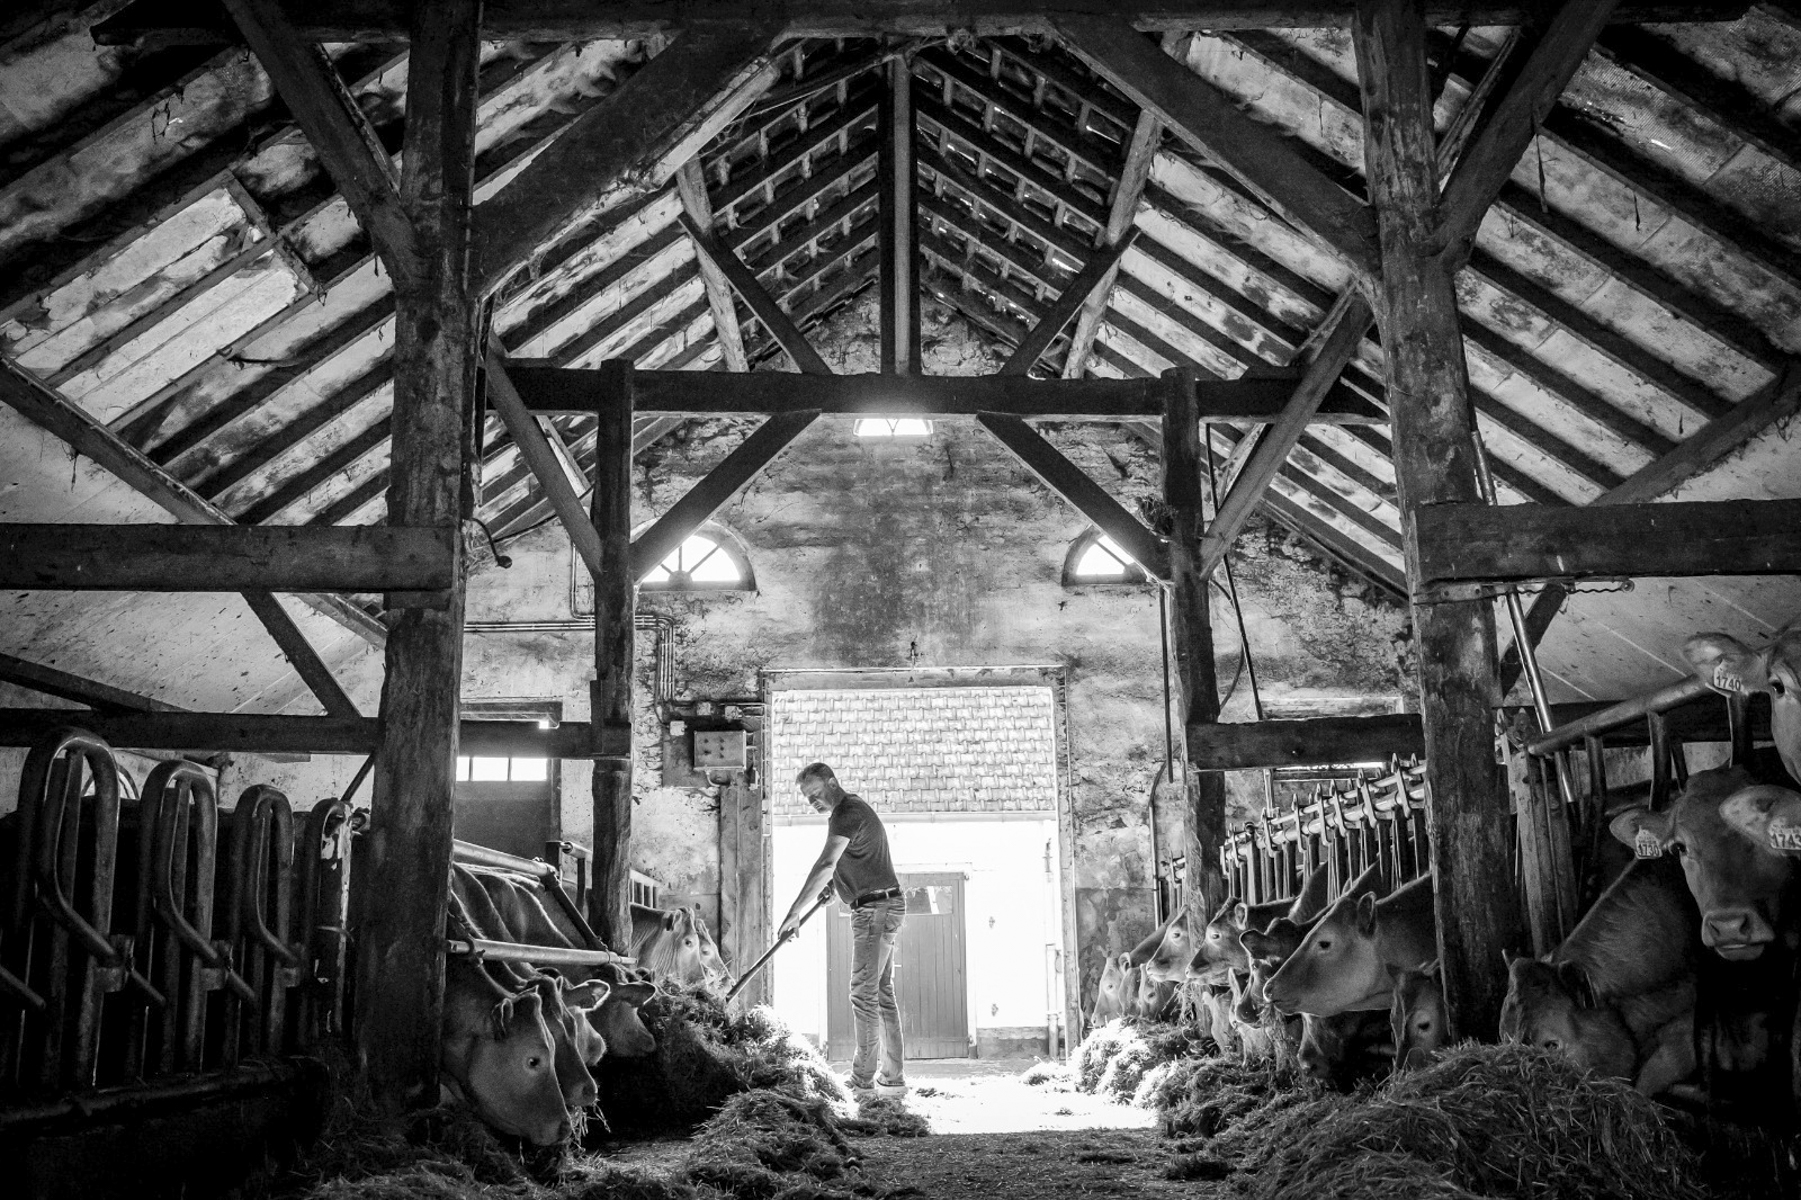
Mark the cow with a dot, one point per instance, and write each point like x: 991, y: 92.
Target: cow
x: 1256, y: 1040
x: 498, y: 1054
x: 1342, y: 1050
x: 1153, y: 997
x: 1741, y: 887
x: 1219, y: 951
x: 1343, y: 962
x: 1269, y: 949
x: 674, y: 943
x: 1728, y: 665
x: 1215, y: 1000
x: 1769, y: 816
x: 1416, y: 1015
x: 1617, y: 996
x: 1111, y: 999
x: 1165, y: 952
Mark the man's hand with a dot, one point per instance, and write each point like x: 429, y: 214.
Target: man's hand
x: 790, y: 926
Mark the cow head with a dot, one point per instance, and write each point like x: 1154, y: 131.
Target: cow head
x: 1416, y: 1017
x: 1553, y: 1006
x: 1165, y: 953
x: 511, y: 1076
x: 620, y: 1022
x: 1739, y: 884
x: 1110, y: 997
x: 1335, y: 1051
x: 1267, y: 952
x: 1769, y: 816
x: 1337, y: 966
x: 1152, y: 996
x: 1728, y: 665
x: 684, y: 948
x: 579, y: 1046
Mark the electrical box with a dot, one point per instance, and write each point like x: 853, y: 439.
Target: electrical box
x: 719, y: 750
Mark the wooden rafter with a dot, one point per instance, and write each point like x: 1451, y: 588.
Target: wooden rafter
x: 335, y: 126
x: 775, y: 321
x: 546, y: 465
x: 637, y: 137
x: 1204, y: 117
x: 898, y: 176
x: 692, y: 185
x: 175, y: 22
x: 64, y: 686
x: 255, y: 733
x: 1082, y: 291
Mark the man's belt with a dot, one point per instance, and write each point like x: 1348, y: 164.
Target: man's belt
x: 871, y: 897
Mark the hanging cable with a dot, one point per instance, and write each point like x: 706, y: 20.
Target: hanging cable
x: 1244, y: 640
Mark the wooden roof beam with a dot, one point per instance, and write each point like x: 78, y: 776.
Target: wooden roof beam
x: 336, y: 128
x: 762, y: 305
x: 1095, y: 278
x: 1204, y: 117
x: 635, y: 139
x: 178, y: 22
x: 64, y: 686
x: 692, y: 185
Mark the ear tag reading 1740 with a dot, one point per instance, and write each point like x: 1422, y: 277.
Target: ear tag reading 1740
x: 1784, y: 836
x: 1647, y: 844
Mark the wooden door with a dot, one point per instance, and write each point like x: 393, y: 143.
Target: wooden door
x: 930, y: 975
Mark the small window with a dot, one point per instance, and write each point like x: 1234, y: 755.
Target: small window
x: 483, y: 768
x: 900, y: 427
x: 1097, y: 558
x: 702, y: 562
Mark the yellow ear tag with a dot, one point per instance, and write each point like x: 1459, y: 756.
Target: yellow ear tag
x: 1784, y: 836
x: 1647, y: 844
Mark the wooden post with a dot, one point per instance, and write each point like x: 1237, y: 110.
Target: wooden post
x: 1428, y: 392
x: 900, y: 264
x: 615, y: 589
x: 400, y: 926
x: 1193, y: 638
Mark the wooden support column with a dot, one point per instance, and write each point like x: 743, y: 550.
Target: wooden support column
x: 400, y: 924
x: 900, y: 208
x: 1192, y: 637
x: 615, y: 591
x: 1428, y: 393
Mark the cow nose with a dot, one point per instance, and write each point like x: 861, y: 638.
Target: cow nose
x: 1728, y: 928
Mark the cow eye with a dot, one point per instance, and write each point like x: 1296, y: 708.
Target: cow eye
x: 534, y: 1062
x: 1777, y: 687
x: 1324, y: 945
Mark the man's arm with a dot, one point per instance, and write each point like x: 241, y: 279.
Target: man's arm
x: 817, y: 878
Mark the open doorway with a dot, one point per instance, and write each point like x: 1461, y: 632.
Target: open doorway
x: 967, y: 782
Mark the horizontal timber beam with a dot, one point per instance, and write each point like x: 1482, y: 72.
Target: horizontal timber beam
x: 1475, y: 544
x: 563, y: 391
x: 276, y: 734
x: 225, y: 558
x: 1322, y: 741
x: 180, y: 22
x: 64, y: 686
x: 1329, y: 741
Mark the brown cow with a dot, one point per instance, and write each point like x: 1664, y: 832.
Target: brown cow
x: 1220, y: 950
x: 1342, y: 1050
x: 1740, y: 886
x: 674, y: 943
x: 1269, y: 949
x: 1617, y: 997
x: 498, y: 1053
x: 1111, y: 1000
x: 1416, y: 1015
x: 1343, y: 963
x: 1165, y: 953
x: 1728, y: 665
x: 1153, y: 997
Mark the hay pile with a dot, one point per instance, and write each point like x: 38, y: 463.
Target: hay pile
x: 705, y: 1055
x: 1209, y: 1097
x: 1117, y: 1059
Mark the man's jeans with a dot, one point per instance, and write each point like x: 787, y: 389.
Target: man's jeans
x: 873, y: 930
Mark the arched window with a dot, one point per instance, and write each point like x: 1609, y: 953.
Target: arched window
x: 1096, y: 558
x: 898, y: 427
x: 707, y: 561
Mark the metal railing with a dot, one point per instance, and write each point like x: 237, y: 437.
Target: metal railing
x: 1374, y: 820
x: 144, y: 940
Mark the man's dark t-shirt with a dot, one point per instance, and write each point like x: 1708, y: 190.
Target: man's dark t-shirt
x: 864, y: 866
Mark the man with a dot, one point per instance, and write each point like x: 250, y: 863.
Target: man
x: 855, y: 860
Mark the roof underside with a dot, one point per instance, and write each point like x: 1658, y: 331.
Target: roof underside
x: 174, y: 261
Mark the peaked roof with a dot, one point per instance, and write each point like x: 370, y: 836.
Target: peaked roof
x: 174, y: 262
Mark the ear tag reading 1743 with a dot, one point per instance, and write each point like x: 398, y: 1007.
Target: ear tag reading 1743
x: 1647, y: 844
x: 1784, y: 836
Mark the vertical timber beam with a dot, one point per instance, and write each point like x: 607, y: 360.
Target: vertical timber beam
x: 1428, y: 395
x: 400, y: 954
x: 615, y: 589
x: 1193, y: 637
x: 900, y: 211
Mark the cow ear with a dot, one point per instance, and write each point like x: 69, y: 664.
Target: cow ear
x: 1770, y: 816
x: 1643, y: 830
x: 1428, y: 969
x: 1241, y: 914
x: 1574, y: 978
x: 1252, y: 941
x: 1366, y: 913
x: 635, y: 994
x: 1725, y: 664
x: 586, y: 997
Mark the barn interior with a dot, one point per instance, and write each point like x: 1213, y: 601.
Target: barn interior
x: 1212, y: 442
